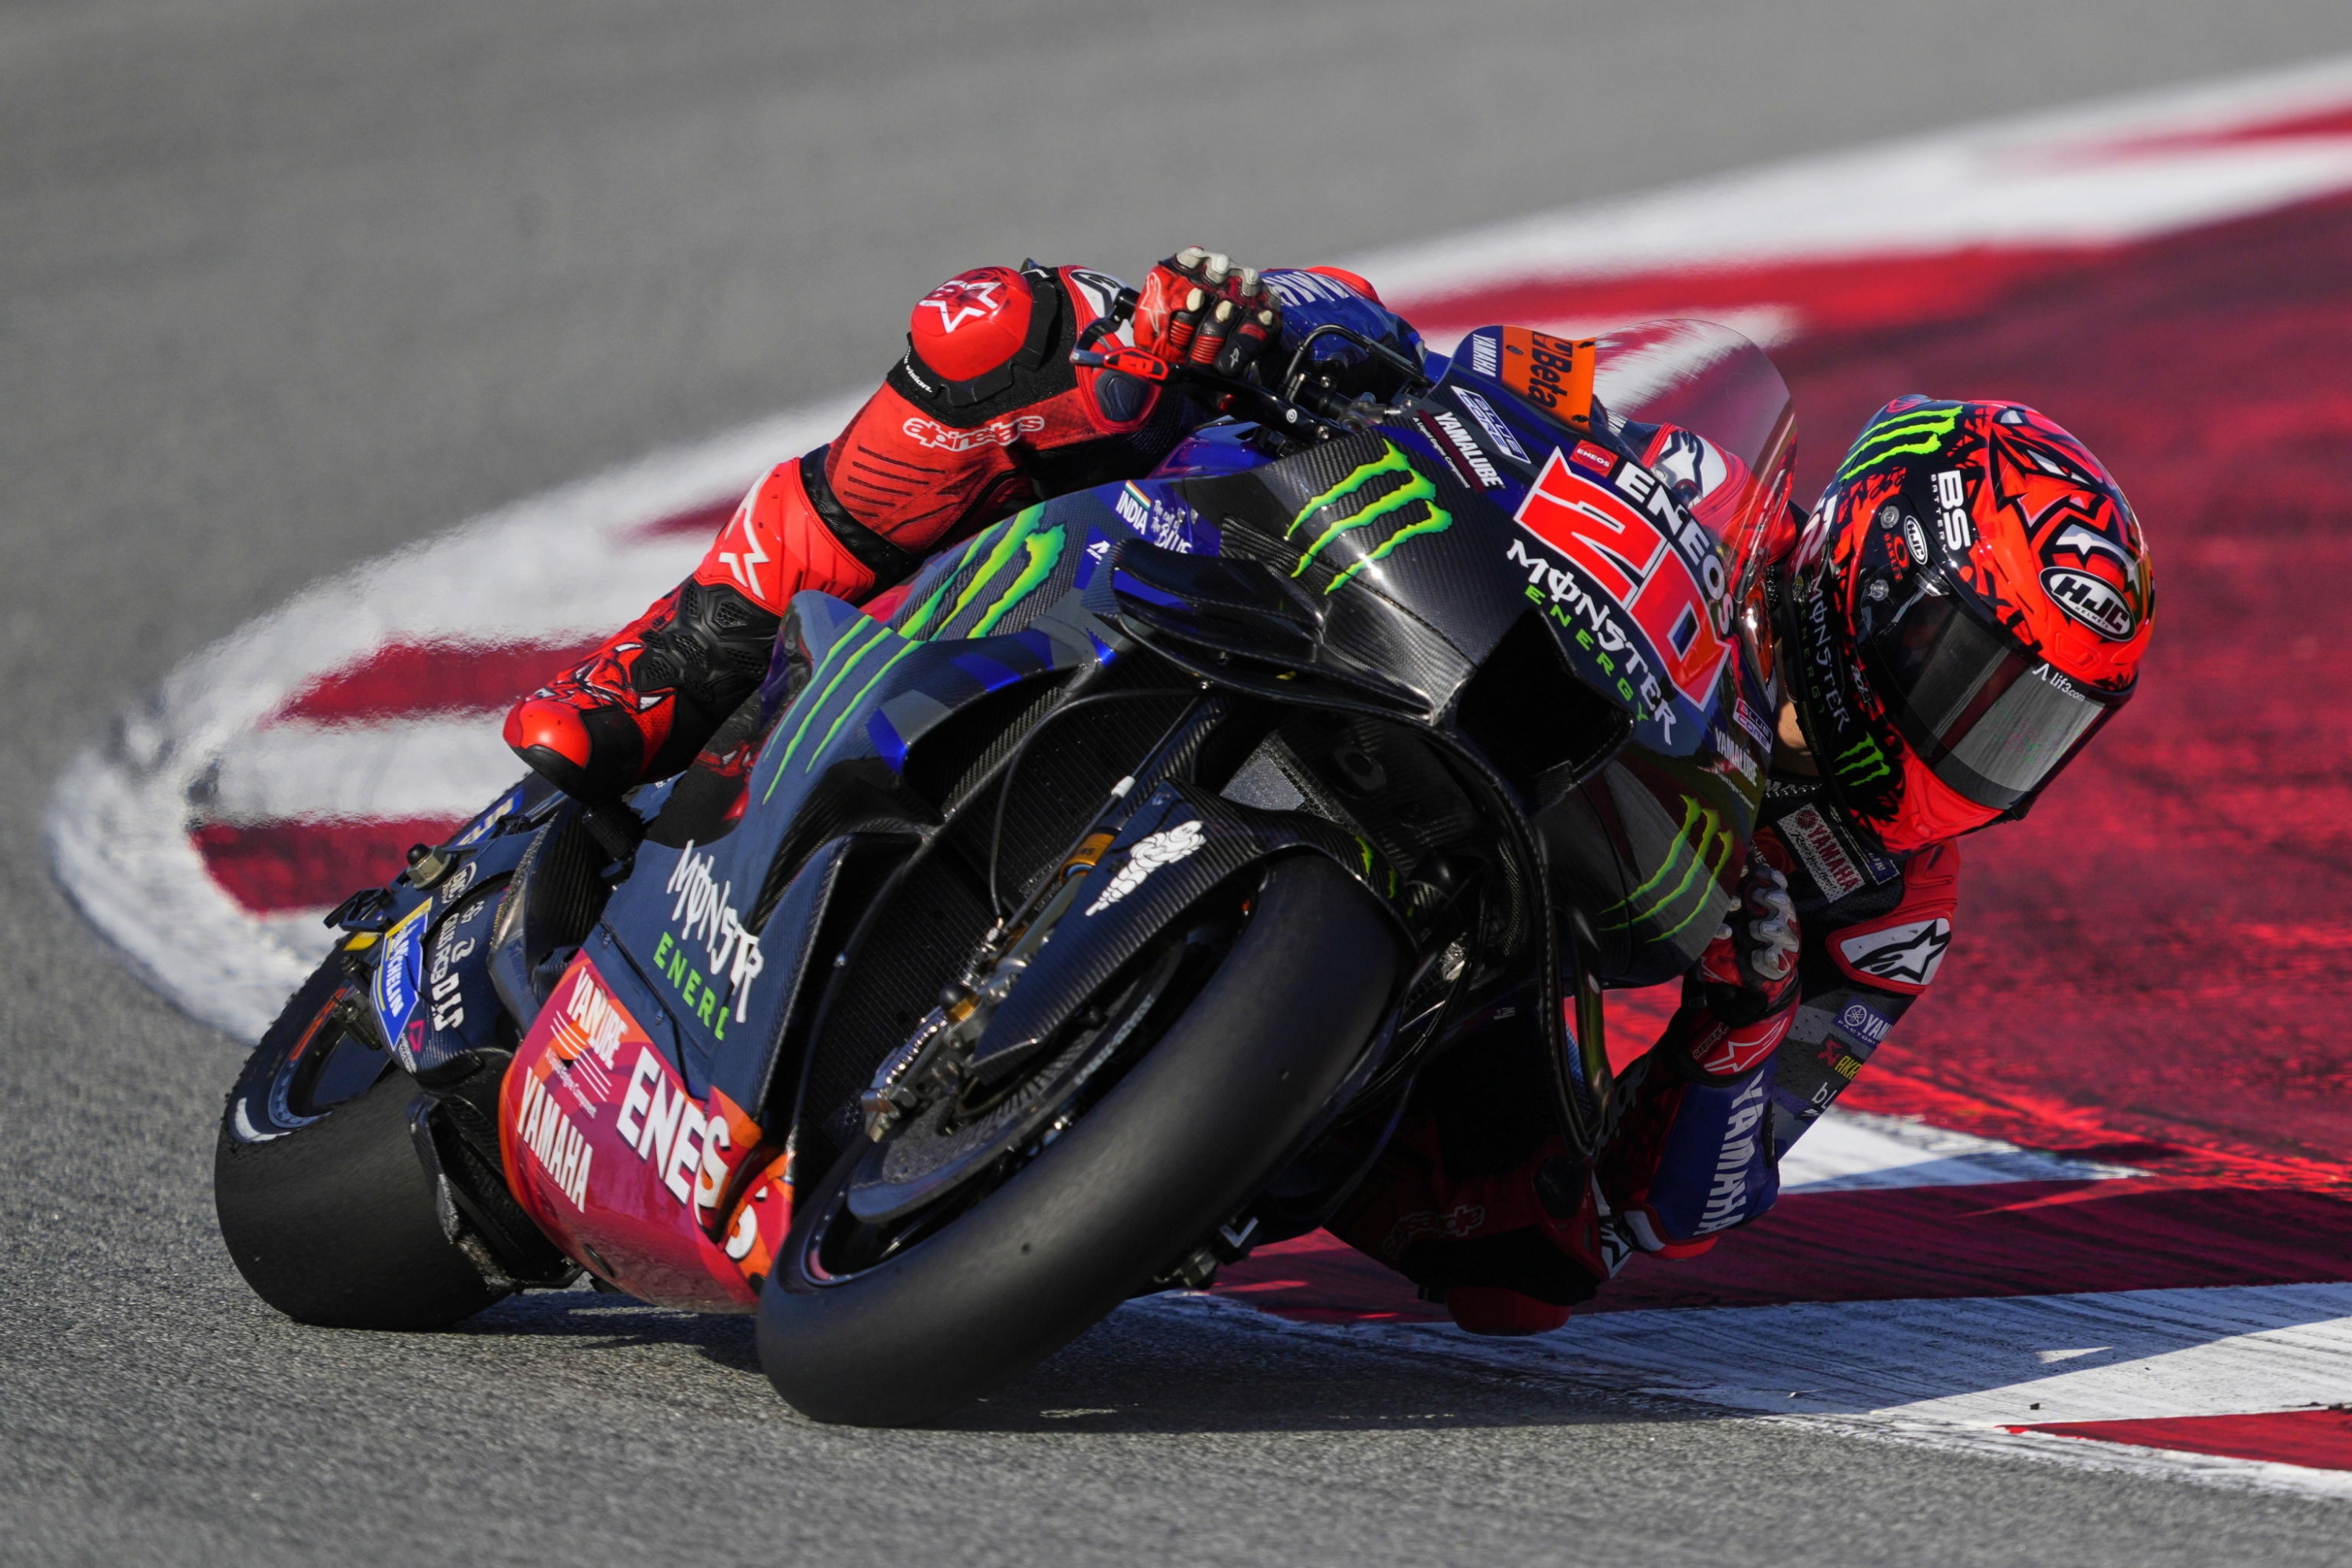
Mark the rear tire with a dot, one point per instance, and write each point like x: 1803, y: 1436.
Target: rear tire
x: 1192, y: 1132
x: 327, y: 1208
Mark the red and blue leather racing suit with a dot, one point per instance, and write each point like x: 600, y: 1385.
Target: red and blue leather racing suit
x: 985, y: 414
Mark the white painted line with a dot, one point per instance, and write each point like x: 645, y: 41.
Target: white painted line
x: 1947, y: 1374
x: 2089, y: 1454
x: 2069, y: 178
x: 542, y: 569
x: 401, y: 769
x: 2112, y: 1355
x: 1850, y: 1151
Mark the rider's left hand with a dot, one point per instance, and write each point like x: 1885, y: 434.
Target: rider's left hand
x: 1197, y: 308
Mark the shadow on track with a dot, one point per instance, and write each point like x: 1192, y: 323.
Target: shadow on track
x: 1153, y: 1372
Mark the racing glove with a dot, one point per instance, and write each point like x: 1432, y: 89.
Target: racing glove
x: 1747, y: 978
x: 1197, y: 308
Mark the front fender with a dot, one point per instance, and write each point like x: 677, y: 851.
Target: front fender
x: 1178, y: 844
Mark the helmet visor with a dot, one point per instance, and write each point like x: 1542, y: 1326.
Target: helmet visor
x: 1991, y: 721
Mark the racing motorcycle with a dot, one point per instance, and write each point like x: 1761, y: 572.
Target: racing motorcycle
x: 1084, y: 918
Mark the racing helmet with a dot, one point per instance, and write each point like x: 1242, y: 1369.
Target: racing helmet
x: 1964, y: 609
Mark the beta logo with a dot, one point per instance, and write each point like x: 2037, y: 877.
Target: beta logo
x: 1902, y: 957
x: 1555, y: 375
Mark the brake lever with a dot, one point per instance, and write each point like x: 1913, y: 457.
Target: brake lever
x: 1278, y: 412
x: 1134, y: 361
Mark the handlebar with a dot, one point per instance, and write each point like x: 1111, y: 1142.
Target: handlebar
x: 1301, y: 408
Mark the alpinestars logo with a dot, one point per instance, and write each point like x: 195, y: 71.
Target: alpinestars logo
x: 743, y: 564
x: 1152, y: 852
x: 995, y: 433
x: 957, y: 300
x: 1904, y: 956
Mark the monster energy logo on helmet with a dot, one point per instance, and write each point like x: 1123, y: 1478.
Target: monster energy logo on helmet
x: 1861, y: 763
x: 1915, y: 431
x: 1390, y: 504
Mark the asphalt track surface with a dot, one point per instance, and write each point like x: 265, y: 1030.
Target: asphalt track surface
x: 285, y: 285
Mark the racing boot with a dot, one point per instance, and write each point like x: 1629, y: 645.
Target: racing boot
x: 1509, y: 1251
x: 643, y: 705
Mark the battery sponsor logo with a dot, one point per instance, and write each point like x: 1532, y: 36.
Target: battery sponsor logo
x: 1952, y: 510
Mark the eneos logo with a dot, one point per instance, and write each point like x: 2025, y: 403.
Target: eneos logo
x: 1638, y: 561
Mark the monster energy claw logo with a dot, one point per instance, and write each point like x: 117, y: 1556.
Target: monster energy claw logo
x: 1860, y: 763
x: 856, y: 664
x: 1694, y: 862
x: 1392, y: 503
x: 1913, y: 431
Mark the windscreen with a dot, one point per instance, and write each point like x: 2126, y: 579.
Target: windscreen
x: 1710, y: 380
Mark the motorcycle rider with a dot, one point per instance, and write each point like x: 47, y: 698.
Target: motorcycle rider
x: 1967, y: 605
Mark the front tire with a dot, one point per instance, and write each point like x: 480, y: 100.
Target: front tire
x: 1174, y: 1149
x: 327, y: 1208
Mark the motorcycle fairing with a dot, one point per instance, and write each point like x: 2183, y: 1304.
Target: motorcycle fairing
x: 1595, y: 539
x: 487, y: 850
x: 610, y: 1153
x: 833, y: 763
x: 848, y: 707
x: 1647, y: 853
